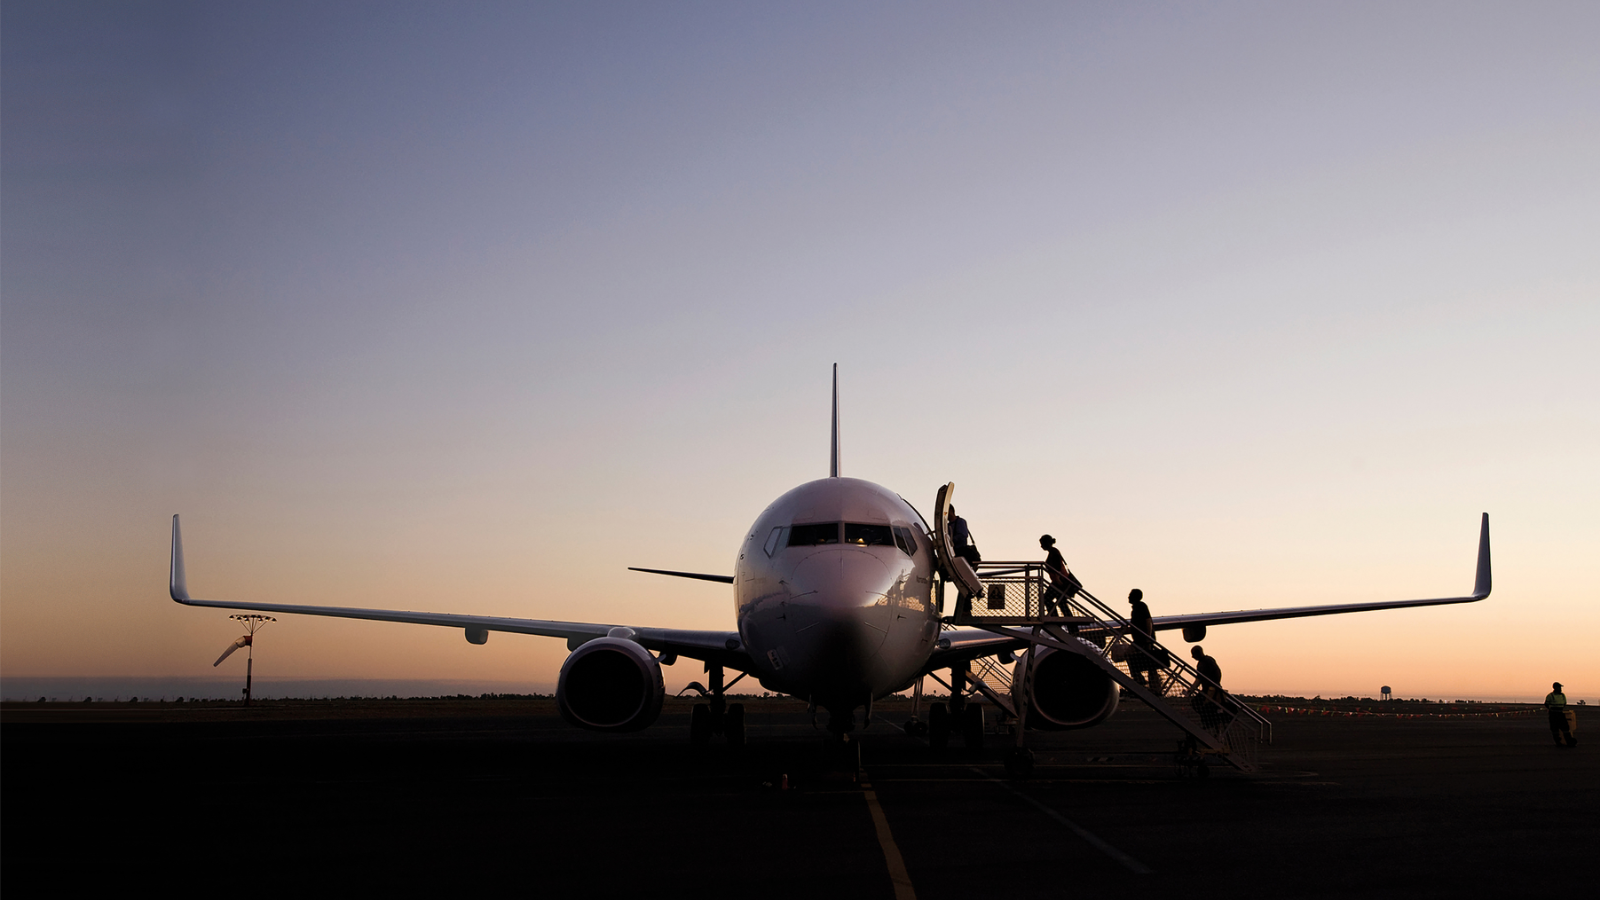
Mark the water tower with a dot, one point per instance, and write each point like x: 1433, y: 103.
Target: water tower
x: 1386, y: 692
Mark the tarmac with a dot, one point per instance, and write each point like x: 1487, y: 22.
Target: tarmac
x: 480, y: 796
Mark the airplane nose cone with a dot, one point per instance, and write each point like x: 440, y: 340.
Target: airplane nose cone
x: 840, y: 580
x: 839, y: 615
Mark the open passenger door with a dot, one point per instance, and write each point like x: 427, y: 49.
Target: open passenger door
x: 954, y: 568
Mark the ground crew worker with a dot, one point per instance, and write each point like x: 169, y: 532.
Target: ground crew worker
x: 1555, y: 703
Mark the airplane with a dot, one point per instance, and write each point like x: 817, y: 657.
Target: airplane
x: 838, y: 591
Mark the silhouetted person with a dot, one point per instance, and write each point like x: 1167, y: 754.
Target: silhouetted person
x: 1144, y: 657
x: 963, y: 548
x: 1208, y: 699
x: 961, y: 540
x: 1555, y: 703
x: 1061, y: 589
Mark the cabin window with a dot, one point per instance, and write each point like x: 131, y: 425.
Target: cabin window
x: 813, y: 535
x: 775, y: 540
x: 904, y: 540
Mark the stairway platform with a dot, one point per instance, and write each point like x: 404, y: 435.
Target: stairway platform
x: 980, y: 621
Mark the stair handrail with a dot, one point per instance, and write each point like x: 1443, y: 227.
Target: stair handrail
x: 1119, y: 630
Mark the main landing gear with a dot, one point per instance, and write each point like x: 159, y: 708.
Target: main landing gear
x: 965, y: 719
x: 716, y: 717
x: 959, y: 717
x: 915, y: 726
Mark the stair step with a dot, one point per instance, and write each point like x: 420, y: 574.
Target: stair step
x: 1207, y: 713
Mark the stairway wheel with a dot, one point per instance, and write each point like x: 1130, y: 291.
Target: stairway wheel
x: 938, y: 726
x: 972, y: 727
x: 700, y: 726
x: 733, y: 726
x: 1019, y: 763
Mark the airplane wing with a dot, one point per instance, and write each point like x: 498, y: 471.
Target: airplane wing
x: 1480, y: 589
x: 960, y: 645
x: 964, y: 644
x: 722, y: 647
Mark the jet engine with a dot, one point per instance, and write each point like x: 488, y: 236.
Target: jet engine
x: 610, y: 684
x: 1069, y: 691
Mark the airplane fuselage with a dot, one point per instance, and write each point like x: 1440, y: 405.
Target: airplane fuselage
x: 834, y: 593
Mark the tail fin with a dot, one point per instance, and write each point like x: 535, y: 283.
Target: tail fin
x: 833, y: 457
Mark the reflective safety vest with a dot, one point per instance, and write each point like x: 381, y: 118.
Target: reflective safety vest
x: 1556, y: 698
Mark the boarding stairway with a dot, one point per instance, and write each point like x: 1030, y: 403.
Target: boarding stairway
x: 1009, y: 603
x: 1009, y: 599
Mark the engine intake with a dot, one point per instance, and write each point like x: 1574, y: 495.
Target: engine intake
x: 610, y: 684
x: 1069, y: 691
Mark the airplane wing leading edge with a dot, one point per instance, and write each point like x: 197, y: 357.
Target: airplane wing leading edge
x: 1482, y: 585
x: 722, y: 647
x: 725, y: 647
x: 968, y: 643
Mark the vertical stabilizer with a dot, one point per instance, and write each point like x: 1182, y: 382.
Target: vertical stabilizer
x: 833, y: 456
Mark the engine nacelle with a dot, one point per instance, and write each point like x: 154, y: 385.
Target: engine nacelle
x: 1068, y: 691
x: 610, y: 684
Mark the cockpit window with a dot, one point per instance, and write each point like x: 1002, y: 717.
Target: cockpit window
x: 902, y: 537
x: 774, y: 541
x: 868, y: 535
x: 812, y: 535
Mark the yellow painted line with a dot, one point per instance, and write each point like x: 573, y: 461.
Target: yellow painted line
x: 891, y: 851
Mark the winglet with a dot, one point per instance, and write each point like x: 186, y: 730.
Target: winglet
x: 833, y: 455
x: 178, y: 584
x: 1485, y: 581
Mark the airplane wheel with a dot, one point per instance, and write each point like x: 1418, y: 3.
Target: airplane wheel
x: 938, y: 726
x: 733, y: 726
x: 700, y: 726
x: 916, y: 728
x: 972, y: 727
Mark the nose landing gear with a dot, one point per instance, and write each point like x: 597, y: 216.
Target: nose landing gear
x: 915, y: 726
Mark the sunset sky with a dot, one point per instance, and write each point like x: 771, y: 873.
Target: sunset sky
x: 468, y: 307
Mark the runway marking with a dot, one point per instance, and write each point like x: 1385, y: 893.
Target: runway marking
x: 1133, y: 865
x: 891, y: 851
x: 1046, y: 781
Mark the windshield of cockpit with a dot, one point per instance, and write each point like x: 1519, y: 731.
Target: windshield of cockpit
x: 851, y: 533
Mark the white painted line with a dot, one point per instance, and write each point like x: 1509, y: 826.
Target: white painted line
x: 1132, y: 865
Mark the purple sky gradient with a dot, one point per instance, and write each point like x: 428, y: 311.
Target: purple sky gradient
x: 469, y: 307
